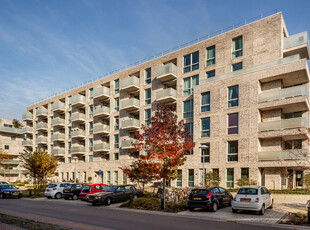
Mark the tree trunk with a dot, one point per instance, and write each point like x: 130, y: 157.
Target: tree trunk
x: 163, y: 195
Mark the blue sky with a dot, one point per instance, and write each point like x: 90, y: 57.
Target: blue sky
x: 50, y: 46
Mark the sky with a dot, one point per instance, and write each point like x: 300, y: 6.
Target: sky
x: 50, y: 46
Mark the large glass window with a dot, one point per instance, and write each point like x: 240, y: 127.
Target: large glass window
x: 205, y: 102
x: 233, y: 96
x: 237, y: 47
x: 116, y: 127
x: 108, y: 177
x: 116, y: 156
x: 116, y: 85
x: 116, y: 141
x: 191, y: 178
x: 189, y: 84
x: 116, y: 104
x: 232, y: 150
x: 70, y: 100
x: 179, y: 178
x: 230, y: 178
x: 116, y: 178
x: 147, y: 116
x: 90, y: 144
x: 292, y: 115
x: 91, y: 94
x: 244, y: 173
x: 190, y: 128
x: 293, y: 144
x: 205, y: 153
x: 148, y: 96
x: 211, y: 55
x: 205, y: 127
x: 191, y: 62
x: 91, y: 128
x: 237, y: 66
x: 148, y: 76
x: 91, y: 111
x: 91, y: 158
x: 188, y: 109
x: 233, y: 123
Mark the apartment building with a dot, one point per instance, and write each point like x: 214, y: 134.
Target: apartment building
x: 243, y: 94
x: 11, y: 142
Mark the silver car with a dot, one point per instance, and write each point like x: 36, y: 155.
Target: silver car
x: 55, y: 190
x: 253, y: 198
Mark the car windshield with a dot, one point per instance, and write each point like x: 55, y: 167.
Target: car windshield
x: 199, y: 191
x: 110, y: 189
x: 68, y: 187
x: 7, y: 186
x: 86, y: 188
x: 52, y: 186
x: 248, y: 191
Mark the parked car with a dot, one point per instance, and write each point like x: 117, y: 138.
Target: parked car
x: 72, y: 191
x: 113, y: 194
x: 209, y: 198
x: 253, y: 198
x: 9, y: 191
x: 3, y: 182
x: 90, y: 189
x: 55, y: 190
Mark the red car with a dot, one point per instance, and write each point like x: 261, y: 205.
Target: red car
x: 90, y: 189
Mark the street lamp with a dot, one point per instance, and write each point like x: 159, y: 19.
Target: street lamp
x: 75, y: 157
x: 203, y: 147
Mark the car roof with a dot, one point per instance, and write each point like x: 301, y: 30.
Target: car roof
x: 252, y: 186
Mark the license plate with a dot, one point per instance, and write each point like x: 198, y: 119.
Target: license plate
x: 90, y: 200
x: 15, y: 194
x: 66, y: 191
x: 197, y: 198
x: 245, y: 200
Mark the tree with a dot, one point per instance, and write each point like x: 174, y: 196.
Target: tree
x: 167, y: 142
x: 39, y: 165
x: 212, y: 178
x: 245, y: 181
x: 16, y: 124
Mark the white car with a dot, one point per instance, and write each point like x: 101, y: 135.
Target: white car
x: 253, y: 198
x: 55, y: 190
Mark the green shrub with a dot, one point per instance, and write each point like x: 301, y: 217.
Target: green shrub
x: 245, y: 181
x: 176, y: 207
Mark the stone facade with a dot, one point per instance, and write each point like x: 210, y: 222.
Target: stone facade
x: 271, y: 106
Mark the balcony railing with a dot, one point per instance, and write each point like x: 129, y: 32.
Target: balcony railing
x: 130, y: 84
x: 10, y: 130
x: 27, y: 130
x: 130, y: 124
x: 27, y: 117
x: 10, y: 162
x: 101, y: 147
x: 131, y: 104
x: 58, y: 122
x: 166, y: 95
x: 78, y: 149
x: 102, y: 92
x: 101, y: 129
x: 78, y: 100
x: 296, y: 40
x: 282, y: 155
x: 58, y: 152
x: 78, y: 117
x: 167, y: 72
x: 295, y: 91
x: 27, y: 143
x: 9, y: 171
x: 41, y: 112
x: 41, y: 140
x: 58, y: 137
x: 41, y: 126
x: 102, y: 111
x: 127, y: 144
x: 298, y: 122
x: 58, y: 106
x: 78, y: 133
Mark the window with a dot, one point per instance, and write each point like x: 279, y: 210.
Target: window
x: 108, y: 177
x: 116, y: 156
x: 7, y: 147
x: 91, y: 111
x: 205, y: 102
x: 148, y: 76
x: 211, y: 74
x: 91, y: 158
x: 91, y: 94
x: 116, y: 141
x: 91, y: 127
x: 70, y: 100
x: 190, y: 128
x: 188, y: 109
x: 293, y: 144
x: 148, y: 96
x: 116, y: 104
x: 179, y: 178
x: 205, y: 127
x: 205, y: 153
x: 211, y: 55
x: 233, y: 96
x: 244, y: 173
x: 116, y: 178
x: 191, y: 178
x: 69, y: 133
x: 13, y: 138
x: 124, y: 178
x: 292, y: 115
x: 233, y: 123
x: 116, y: 127
x: 147, y: 116
x: 237, y: 47
x: 69, y: 159
x: 237, y: 66
x: 232, y: 150
x: 230, y: 178
x: 69, y: 147
x: 189, y: 84
x: 70, y: 114
x: 191, y: 62
x: 116, y: 85
x: 90, y: 144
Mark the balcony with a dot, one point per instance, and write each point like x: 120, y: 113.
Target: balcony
x: 58, y: 107
x: 26, y: 130
x: 298, y: 122
x: 78, y: 117
x: 10, y: 162
x: 41, y: 112
x: 102, y: 93
x: 131, y: 104
x: 282, y: 155
x: 131, y: 84
x: 131, y: 124
x: 78, y: 100
x: 27, y: 143
x: 58, y: 122
x: 168, y: 95
x: 167, y: 73
x: 127, y: 144
x: 58, y: 137
x: 102, y: 129
x: 290, y: 92
x: 27, y: 117
x: 102, y: 147
x: 10, y: 130
x: 41, y: 140
x: 41, y: 126
x: 58, y: 152
x: 102, y: 111
x: 296, y: 44
x: 9, y: 171
x: 78, y: 150
x: 79, y: 133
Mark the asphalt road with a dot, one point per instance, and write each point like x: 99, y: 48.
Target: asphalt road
x: 114, y: 218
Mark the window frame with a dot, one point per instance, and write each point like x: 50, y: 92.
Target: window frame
x: 116, y: 86
x: 232, y: 154
x: 192, y: 65
x: 116, y: 104
x: 235, y: 65
x: 232, y: 127
x: 190, y: 90
x: 148, y: 100
x: 205, y: 107
x: 210, y: 60
x: 205, y: 132
x: 148, y: 76
x: 190, y: 113
x: 237, y: 52
x: 205, y: 154
x: 230, y: 101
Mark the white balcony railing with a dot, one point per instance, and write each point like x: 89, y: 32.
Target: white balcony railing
x: 298, y: 122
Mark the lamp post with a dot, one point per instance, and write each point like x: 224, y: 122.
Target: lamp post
x: 203, y: 147
x: 75, y: 158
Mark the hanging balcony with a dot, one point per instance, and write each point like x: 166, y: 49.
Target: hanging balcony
x: 167, y: 73
x: 102, y: 129
x: 27, y: 117
x: 131, y: 124
x: 58, y: 107
x: 131, y: 84
x: 296, y: 44
x: 102, y: 147
x: 78, y: 101
x: 131, y: 104
x: 168, y: 95
x: 102, y: 93
x: 41, y: 112
x: 102, y: 111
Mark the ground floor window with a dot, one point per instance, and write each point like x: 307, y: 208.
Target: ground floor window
x: 191, y: 178
x: 230, y: 178
x: 244, y: 173
x: 179, y: 178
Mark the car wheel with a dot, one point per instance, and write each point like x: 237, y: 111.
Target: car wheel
x: 229, y: 204
x: 108, y: 201
x: 19, y: 196
x: 74, y: 197
x: 262, y: 211
x: 271, y: 206
x: 191, y: 209
x: 135, y: 196
x: 58, y: 195
x: 214, y: 207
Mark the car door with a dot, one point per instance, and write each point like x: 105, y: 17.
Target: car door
x: 263, y: 196
x: 128, y: 192
x: 268, y: 197
x: 217, y: 195
x: 225, y: 196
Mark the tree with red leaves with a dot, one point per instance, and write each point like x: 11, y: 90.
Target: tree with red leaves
x: 166, y: 141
